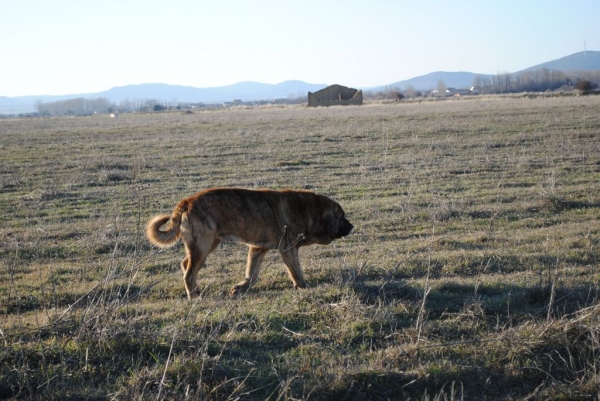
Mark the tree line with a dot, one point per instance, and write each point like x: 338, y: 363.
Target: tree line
x: 540, y: 80
x: 81, y: 106
x: 536, y: 81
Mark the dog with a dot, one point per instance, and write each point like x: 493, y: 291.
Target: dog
x: 262, y: 219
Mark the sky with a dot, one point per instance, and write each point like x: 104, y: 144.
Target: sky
x: 59, y: 47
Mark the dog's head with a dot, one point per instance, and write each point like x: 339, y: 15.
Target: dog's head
x: 333, y: 223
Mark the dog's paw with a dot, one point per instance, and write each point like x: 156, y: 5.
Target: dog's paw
x: 239, y: 288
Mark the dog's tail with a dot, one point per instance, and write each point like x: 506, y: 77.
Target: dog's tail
x: 170, y: 235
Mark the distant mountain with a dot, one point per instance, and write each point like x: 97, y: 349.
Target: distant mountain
x: 430, y: 81
x: 12, y: 105
x: 247, y: 91
x: 582, y: 61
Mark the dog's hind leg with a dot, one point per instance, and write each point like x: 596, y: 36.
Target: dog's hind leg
x: 195, y: 259
x: 185, y: 267
x: 184, y: 263
x: 196, y: 256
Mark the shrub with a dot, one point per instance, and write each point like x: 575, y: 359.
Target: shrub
x: 584, y: 85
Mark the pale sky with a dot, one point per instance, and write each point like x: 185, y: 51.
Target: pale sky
x: 57, y: 47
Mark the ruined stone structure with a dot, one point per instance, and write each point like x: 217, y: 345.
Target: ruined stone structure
x: 335, y: 95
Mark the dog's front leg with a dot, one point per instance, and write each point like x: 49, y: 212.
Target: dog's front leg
x: 255, y: 258
x: 290, y: 257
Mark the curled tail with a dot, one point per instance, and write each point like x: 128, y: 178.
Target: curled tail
x: 170, y: 235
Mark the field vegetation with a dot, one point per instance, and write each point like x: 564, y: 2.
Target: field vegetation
x: 472, y: 272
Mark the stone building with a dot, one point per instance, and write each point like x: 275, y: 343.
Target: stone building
x: 335, y: 95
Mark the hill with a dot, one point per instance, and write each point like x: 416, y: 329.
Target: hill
x: 582, y: 61
x: 430, y: 81
x: 245, y: 91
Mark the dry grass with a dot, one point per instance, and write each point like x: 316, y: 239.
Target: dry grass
x: 472, y: 272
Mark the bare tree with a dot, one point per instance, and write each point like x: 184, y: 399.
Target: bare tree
x: 441, y: 87
x: 410, y: 92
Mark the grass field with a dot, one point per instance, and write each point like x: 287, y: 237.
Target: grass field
x: 472, y: 271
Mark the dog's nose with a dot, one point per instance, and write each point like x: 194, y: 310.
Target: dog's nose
x: 346, y: 228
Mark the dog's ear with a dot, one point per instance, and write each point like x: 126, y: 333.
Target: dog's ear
x: 322, y: 225
x: 328, y: 222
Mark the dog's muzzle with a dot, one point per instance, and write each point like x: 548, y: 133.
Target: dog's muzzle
x: 344, y: 228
